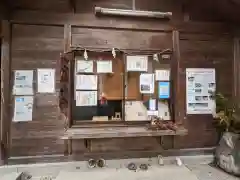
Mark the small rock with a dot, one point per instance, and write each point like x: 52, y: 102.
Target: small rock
x: 179, y: 161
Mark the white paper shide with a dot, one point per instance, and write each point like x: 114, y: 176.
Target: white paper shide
x: 137, y: 63
x: 146, y: 83
x: 86, y: 98
x: 46, y: 80
x: 200, y: 86
x: 23, y: 108
x: 23, y: 82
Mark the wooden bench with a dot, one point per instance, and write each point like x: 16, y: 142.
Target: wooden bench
x: 114, y: 132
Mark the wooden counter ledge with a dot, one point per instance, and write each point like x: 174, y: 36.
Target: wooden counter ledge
x: 118, y: 132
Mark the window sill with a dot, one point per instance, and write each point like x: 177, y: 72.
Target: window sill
x: 118, y: 132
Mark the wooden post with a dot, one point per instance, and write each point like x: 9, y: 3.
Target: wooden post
x: 178, y: 111
x: 5, y: 95
x: 67, y: 37
x: 236, y: 69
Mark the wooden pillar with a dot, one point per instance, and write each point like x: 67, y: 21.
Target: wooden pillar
x: 179, y: 114
x: 67, y: 37
x: 236, y: 69
x: 5, y: 95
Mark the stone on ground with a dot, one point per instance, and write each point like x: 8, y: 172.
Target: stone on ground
x: 228, y: 153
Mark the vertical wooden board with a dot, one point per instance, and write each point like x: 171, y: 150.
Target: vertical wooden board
x: 113, y: 83
x: 5, y: 92
x: 67, y: 37
x: 133, y: 92
x: 236, y: 67
x: 33, y: 47
x: 179, y: 111
x: 78, y: 146
x: 196, y: 53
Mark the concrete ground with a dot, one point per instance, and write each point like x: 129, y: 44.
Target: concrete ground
x: 193, y: 168
x: 169, y: 172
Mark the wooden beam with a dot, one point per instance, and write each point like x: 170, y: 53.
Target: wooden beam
x: 86, y: 20
x: 90, y: 21
x: 5, y: 91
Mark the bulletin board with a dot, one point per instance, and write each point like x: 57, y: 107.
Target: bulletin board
x: 118, y: 81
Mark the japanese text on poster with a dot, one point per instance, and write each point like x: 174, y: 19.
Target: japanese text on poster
x: 46, y: 80
x: 23, y: 108
x: 86, y: 82
x: 146, y: 83
x: 200, y: 86
x: 137, y: 63
x: 23, y: 82
x: 104, y: 66
x: 162, y: 75
x: 86, y: 98
x: 163, y: 90
x: 83, y: 66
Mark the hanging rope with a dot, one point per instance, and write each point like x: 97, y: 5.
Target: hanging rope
x: 114, y: 50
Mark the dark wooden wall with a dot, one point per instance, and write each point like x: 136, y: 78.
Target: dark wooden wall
x: 37, y: 46
x: 38, y: 38
x: 204, y: 51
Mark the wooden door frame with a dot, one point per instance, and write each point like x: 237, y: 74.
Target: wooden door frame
x: 5, y: 122
x: 236, y: 68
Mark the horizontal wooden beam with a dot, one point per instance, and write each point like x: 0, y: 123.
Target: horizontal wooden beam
x: 85, y: 20
x: 90, y: 21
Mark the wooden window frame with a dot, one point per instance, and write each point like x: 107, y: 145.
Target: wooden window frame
x: 71, y: 56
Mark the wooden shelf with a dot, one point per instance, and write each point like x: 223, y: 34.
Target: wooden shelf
x: 118, y: 132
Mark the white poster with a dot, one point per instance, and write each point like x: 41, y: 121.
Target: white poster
x: 137, y: 63
x: 86, y: 98
x: 104, y: 66
x: 200, y: 84
x: 162, y: 75
x: 86, y: 82
x: 84, y: 66
x: 146, y: 83
x: 46, y: 80
x: 23, y: 82
x: 23, y: 108
x: 152, y: 105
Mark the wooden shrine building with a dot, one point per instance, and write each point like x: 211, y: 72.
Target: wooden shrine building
x: 75, y: 76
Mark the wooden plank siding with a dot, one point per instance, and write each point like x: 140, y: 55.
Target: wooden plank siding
x: 204, y: 51
x: 38, y: 47
x: 38, y: 40
x: 5, y: 76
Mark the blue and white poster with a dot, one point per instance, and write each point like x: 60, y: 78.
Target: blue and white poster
x: 23, y: 108
x: 163, y: 90
x: 200, y: 85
